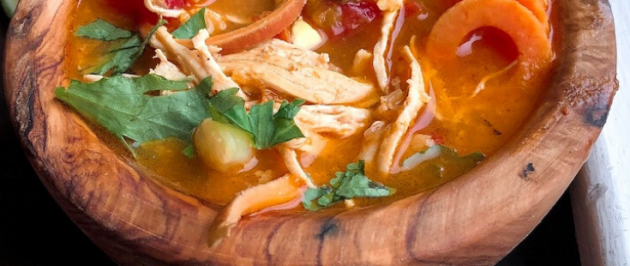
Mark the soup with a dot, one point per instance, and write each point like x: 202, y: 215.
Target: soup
x: 267, y: 105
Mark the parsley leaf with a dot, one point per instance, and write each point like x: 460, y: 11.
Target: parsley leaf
x: 122, y: 106
x: 346, y: 185
x: 103, y: 30
x: 267, y: 129
x: 192, y: 26
x: 126, y: 49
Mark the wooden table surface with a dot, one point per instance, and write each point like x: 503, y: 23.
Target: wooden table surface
x: 34, y: 231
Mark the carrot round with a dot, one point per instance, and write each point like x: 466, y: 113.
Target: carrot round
x: 538, y: 7
x: 529, y: 35
x: 260, y: 31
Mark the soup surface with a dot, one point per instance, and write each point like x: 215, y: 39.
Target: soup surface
x: 398, y: 96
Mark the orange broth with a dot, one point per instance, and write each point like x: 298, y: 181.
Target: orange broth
x: 468, y: 124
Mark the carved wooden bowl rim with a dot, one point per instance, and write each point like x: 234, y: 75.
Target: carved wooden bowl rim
x: 475, y: 219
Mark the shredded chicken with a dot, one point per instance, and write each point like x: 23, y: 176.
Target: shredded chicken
x: 416, y: 98
x: 371, y: 140
x: 200, y: 63
x: 361, y: 62
x: 293, y: 165
x: 160, y: 7
x: 420, y: 142
x: 340, y: 121
x: 391, y: 8
x: 391, y: 103
x: 166, y: 69
x: 297, y: 72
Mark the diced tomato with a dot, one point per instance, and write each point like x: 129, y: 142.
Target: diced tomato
x: 437, y: 137
x: 413, y: 8
x: 355, y: 14
x: 136, y: 8
x: 338, y: 19
x: 175, y: 4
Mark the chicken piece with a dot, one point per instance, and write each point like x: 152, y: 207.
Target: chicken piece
x: 372, y: 138
x: 416, y: 98
x: 420, y: 142
x: 200, y: 63
x: 274, y: 194
x: 166, y: 69
x: 390, y: 103
x: 161, y: 8
x: 361, y: 62
x: 312, y: 148
x: 293, y: 165
x: 339, y: 121
x: 297, y: 72
x: 219, y: 79
x: 391, y: 8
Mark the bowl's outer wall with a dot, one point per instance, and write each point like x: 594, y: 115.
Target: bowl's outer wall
x: 474, y: 220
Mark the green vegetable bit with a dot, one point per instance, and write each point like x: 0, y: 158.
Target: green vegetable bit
x: 346, y: 185
x: 103, y: 31
x: 122, y: 106
x: 267, y: 129
x: 439, y: 161
x: 192, y: 26
x: 125, y: 49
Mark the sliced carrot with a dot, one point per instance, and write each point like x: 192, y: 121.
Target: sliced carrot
x: 538, y: 7
x: 254, y: 199
x: 258, y: 32
x: 518, y: 22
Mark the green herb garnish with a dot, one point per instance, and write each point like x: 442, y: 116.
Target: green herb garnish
x: 123, y: 107
x: 346, y: 185
x: 192, y: 26
x: 267, y: 129
x: 439, y: 161
x: 125, y: 49
x: 103, y: 31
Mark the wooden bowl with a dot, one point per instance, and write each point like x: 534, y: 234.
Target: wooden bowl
x: 475, y: 219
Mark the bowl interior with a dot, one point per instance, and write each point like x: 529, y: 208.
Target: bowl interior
x: 475, y: 219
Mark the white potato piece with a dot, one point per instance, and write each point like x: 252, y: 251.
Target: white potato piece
x: 221, y: 146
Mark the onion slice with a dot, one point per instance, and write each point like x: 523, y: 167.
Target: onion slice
x: 258, y: 32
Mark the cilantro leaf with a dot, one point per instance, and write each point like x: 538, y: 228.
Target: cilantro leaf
x: 285, y: 128
x: 227, y: 108
x: 103, y: 30
x: 120, y: 57
x: 262, y: 124
x: 346, y: 185
x: 192, y: 26
x: 189, y: 152
x: 122, y: 106
x: 124, y: 52
x: 267, y: 129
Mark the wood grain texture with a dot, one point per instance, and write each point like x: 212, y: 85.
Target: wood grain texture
x: 474, y: 220
x: 601, y: 192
